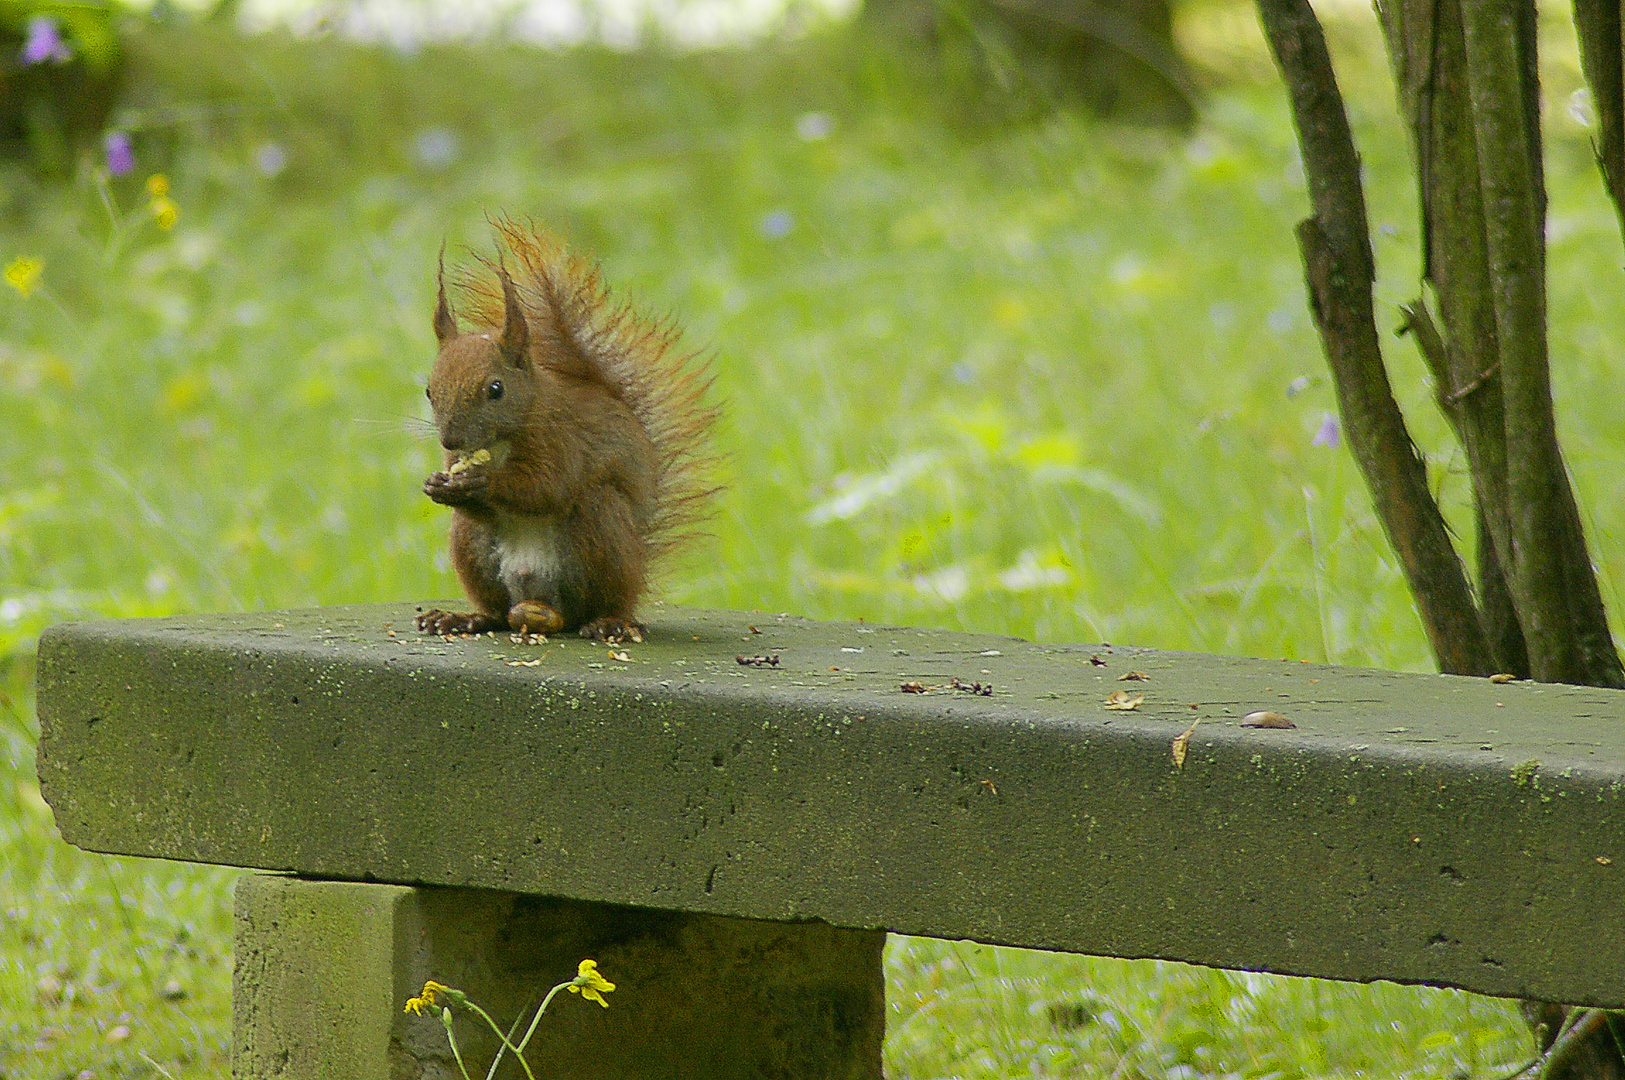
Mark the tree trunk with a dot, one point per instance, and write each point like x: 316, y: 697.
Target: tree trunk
x: 1468, y: 85
x: 1337, y: 258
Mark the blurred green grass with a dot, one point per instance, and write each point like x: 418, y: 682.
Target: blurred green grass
x: 985, y: 365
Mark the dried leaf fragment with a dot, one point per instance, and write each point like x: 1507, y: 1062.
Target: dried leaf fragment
x: 912, y: 687
x: 1122, y: 699
x: 1133, y: 676
x: 1503, y: 677
x: 1266, y: 719
x: 622, y: 655
x: 1181, y: 743
x: 1097, y: 661
x: 758, y: 661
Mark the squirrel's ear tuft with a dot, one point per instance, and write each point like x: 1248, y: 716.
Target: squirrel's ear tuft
x: 445, y: 323
x: 515, y: 343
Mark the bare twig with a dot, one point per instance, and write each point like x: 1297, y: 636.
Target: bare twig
x: 1411, y: 27
x: 1597, y: 25
x: 1581, y: 1025
x: 1455, y: 396
x: 1420, y: 326
x: 1496, y: 611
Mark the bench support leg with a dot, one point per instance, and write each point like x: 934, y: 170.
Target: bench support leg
x: 323, y: 970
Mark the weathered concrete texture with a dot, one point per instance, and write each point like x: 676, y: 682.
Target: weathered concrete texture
x: 314, y: 986
x: 1413, y: 827
x: 324, y: 970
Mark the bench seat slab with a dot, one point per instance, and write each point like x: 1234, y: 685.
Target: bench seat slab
x: 1421, y: 828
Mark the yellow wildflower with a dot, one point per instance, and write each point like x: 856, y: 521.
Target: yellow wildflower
x: 164, y: 211
x: 163, y: 208
x: 23, y: 274
x: 427, y: 999
x: 589, y: 984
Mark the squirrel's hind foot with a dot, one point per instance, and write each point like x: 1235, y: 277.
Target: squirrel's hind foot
x: 436, y: 621
x: 613, y: 629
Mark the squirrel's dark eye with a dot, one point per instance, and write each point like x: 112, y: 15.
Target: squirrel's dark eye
x: 494, y: 391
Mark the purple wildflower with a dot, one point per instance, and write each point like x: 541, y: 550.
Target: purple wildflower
x: 776, y: 224
x: 44, y: 42
x: 435, y: 147
x: 1329, y: 434
x: 270, y: 159
x: 120, y: 155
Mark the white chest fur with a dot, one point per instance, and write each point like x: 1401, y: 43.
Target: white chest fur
x: 530, y: 556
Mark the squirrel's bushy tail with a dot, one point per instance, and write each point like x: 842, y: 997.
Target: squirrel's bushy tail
x: 578, y: 326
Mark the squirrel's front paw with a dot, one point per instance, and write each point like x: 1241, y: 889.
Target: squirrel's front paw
x: 456, y: 489
x: 436, y: 621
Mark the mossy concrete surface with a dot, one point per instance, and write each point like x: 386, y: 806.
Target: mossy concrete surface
x: 323, y: 970
x: 1411, y: 827
x: 314, y: 982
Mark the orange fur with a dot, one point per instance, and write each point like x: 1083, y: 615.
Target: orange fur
x: 600, y: 426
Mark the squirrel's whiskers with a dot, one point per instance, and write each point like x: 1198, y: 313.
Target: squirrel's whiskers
x: 418, y: 427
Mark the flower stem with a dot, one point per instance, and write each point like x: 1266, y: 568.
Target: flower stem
x: 507, y: 1041
x: 540, y: 1009
x: 445, y: 1018
x: 523, y: 1064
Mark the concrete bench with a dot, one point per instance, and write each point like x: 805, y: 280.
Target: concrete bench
x: 730, y: 816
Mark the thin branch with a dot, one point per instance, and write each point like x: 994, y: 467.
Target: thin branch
x: 1455, y: 396
x: 1496, y: 612
x: 1420, y: 326
x: 1597, y: 25
x: 1411, y: 28
x: 1339, y: 268
x: 1582, y: 1025
x: 1429, y: 342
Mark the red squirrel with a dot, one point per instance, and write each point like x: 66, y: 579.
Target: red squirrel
x: 575, y: 440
